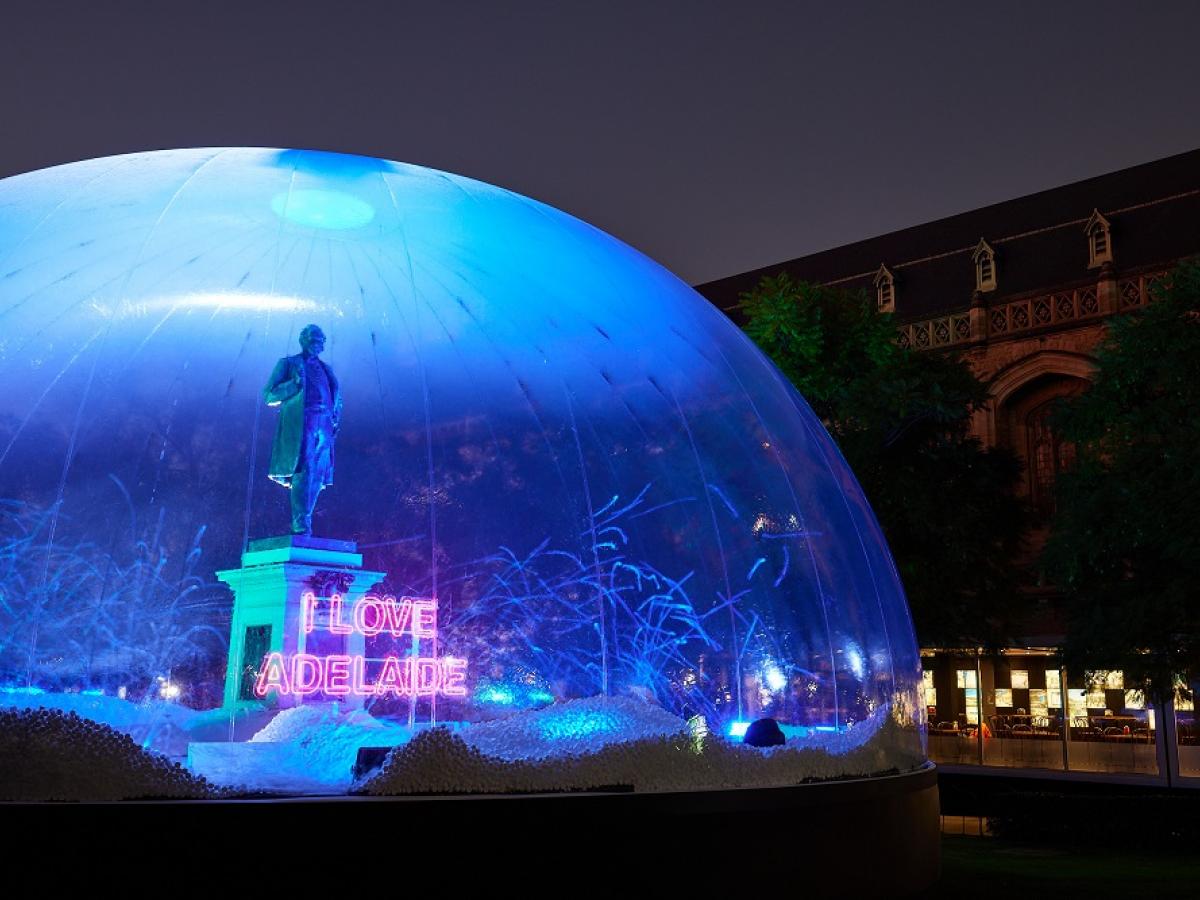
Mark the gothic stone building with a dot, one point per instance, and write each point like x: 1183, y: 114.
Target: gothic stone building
x: 1023, y: 290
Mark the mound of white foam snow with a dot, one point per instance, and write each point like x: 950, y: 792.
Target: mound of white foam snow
x: 48, y: 754
x: 572, y: 728
x: 322, y: 742
x: 158, y: 725
x: 438, y: 761
x: 99, y: 707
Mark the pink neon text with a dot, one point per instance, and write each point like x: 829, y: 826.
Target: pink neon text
x: 371, y: 616
x: 340, y: 675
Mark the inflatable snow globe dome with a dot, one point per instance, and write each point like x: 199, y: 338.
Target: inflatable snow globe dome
x: 567, y: 503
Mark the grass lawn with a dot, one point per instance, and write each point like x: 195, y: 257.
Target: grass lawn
x: 990, y: 867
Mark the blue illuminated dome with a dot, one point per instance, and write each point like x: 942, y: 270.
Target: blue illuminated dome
x: 608, y: 488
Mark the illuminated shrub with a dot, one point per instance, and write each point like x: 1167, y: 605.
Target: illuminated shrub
x: 607, y: 488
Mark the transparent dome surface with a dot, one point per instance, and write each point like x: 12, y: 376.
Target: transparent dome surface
x: 606, y: 487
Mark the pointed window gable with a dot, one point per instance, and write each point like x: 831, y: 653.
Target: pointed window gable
x: 1099, y: 236
x: 885, y: 290
x: 985, y: 266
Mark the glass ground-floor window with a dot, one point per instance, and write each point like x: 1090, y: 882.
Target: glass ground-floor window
x: 1023, y: 728
x: 966, y: 680
x: 1187, y: 729
x: 1021, y: 709
x: 1112, y: 729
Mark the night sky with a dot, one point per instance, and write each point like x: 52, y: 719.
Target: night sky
x: 716, y: 137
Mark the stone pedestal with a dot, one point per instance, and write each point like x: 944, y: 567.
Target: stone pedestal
x: 276, y: 572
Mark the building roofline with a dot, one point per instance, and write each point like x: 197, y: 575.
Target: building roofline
x: 971, y: 248
x: 1189, y: 160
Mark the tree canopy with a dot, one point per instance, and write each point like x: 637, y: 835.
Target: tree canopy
x: 945, y: 502
x: 1124, y: 543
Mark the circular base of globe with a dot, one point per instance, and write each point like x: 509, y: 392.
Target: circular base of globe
x: 870, y: 837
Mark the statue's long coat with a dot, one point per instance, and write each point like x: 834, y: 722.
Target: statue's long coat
x: 285, y: 389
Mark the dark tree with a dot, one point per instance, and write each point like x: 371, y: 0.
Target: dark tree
x: 946, y: 503
x: 1124, y: 544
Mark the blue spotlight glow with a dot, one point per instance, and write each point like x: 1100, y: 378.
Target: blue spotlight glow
x: 775, y: 679
x: 519, y: 690
x: 854, y: 659
x: 322, y: 209
x: 574, y: 725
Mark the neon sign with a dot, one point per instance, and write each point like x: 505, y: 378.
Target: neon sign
x: 342, y: 675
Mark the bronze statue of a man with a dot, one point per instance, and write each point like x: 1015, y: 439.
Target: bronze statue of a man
x: 310, y: 402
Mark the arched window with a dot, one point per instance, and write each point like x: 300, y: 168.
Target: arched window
x: 1048, y: 455
x: 985, y: 266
